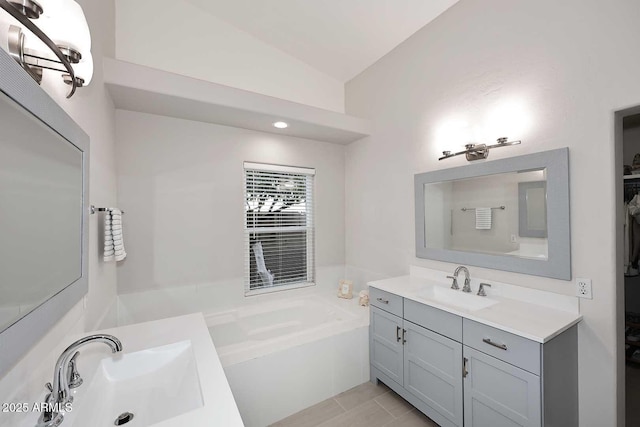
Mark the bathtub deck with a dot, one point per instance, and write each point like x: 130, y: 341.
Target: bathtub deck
x: 366, y: 405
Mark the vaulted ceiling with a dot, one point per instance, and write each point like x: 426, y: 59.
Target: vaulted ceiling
x: 338, y: 37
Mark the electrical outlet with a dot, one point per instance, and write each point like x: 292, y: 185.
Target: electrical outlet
x: 514, y: 239
x: 583, y: 288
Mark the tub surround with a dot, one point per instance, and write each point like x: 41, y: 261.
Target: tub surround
x: 253, y: 331
x: 217, y: 407
x: 532, y: 314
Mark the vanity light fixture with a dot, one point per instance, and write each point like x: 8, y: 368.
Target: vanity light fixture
x: 62, y: 42
x: 281, y: 125
x: 478, y: 151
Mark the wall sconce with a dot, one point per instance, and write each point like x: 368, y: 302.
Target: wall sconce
x: 478, y: 151
x: 62, y: 30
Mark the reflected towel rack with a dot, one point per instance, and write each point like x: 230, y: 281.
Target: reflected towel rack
x: 94, y: 210
x: 473, y: 209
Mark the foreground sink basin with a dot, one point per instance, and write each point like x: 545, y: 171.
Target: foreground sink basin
x: 450, y: 297
x: 154, y: 384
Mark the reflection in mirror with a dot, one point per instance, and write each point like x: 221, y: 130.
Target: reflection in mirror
x: 41, y: 202
x: 482, y: 214
x: 532, y: 207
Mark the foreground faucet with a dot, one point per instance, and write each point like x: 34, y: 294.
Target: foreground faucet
x: 467, y: 279
x: 65, y: 371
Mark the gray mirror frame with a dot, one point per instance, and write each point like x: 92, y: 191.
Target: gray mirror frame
x: 17, y: 339
x: 558, y: 264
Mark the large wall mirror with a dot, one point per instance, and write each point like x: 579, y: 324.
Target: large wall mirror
x: 510, y: 214
x: 43, y: 212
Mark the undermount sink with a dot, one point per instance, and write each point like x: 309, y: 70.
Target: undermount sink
x: 456, y: 298
x: 154, y: 384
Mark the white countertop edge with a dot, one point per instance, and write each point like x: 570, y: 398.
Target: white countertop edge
x: 566, y: 320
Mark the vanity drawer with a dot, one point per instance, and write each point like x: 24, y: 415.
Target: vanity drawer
x: 386, y: 301
x: 513, y: 349
x: 437, y: 320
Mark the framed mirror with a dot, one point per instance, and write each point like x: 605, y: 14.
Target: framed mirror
x: 44, y: 167
x: 510, y: 214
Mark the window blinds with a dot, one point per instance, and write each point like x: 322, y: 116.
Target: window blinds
x: 279, y: 227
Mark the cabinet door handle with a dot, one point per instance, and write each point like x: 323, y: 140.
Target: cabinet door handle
x: 500, y: 346
x: 384, y: 301
x: 404, y: 331
x: 465, y: 372
x: 398, y: 334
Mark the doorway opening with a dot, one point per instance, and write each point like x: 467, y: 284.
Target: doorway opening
x: 627, y: 136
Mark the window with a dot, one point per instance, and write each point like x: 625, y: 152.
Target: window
x: 279, y: 227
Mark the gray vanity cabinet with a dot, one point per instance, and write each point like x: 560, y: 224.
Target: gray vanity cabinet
x: 432, y: 367
x: 499, y: 394
x: 464, y: 373
x: 386, y: 351
x: 425, y: 367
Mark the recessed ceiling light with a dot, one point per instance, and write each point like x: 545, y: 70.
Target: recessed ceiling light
x: 280, y: 125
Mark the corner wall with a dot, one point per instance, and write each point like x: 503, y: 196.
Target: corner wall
x: 549, y: 73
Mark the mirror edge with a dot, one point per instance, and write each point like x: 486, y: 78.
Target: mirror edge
x: 558, y: 264
x: 21, y: 336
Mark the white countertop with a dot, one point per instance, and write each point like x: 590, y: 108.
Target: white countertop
x: 219, y: 407
x: 533, y: 321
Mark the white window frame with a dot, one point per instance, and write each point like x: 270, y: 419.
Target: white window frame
x: 310, y: 228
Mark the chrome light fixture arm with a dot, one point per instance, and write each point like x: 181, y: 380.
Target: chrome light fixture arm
x: 26, y: 22
x: 478, y: 151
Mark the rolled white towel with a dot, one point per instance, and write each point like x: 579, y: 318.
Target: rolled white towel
x: 108, y: 253
x: 117, y: 234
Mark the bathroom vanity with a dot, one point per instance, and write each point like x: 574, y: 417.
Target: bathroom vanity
x: 469, y: 360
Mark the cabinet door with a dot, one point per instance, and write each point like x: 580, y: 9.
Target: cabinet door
x: 498, y: 394
x: 433, y: 372
x: 385, y: 343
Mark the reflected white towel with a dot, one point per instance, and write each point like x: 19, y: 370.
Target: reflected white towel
x: 483, y: 218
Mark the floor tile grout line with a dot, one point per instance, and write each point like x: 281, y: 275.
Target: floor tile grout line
x: 343, y: 408
x: 384, y: 394
x: 385, y: 409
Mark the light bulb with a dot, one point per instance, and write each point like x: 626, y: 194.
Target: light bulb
x: 63, y: 21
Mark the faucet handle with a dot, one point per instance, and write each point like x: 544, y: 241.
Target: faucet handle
x: 454, y: 284
x: 74, y: 380
x: 481, y: 291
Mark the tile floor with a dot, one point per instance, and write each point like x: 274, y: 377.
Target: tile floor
x: 366, y: 405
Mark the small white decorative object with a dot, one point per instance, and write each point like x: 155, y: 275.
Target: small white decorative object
x: 345, y: 289
x: 364, y: 298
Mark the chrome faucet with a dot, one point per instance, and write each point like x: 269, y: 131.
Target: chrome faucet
x: 467, y: 279
x: 65, y: 370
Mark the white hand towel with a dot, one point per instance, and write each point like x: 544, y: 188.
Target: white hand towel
x: 108, y: 238
x: 118, y: 239
x: 483, y: 218
x: 113, y: 241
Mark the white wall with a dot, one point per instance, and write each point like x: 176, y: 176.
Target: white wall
x: 93, y: 110
x: 198, y: 44
x: 549, y: 73
x: 181, y: 185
